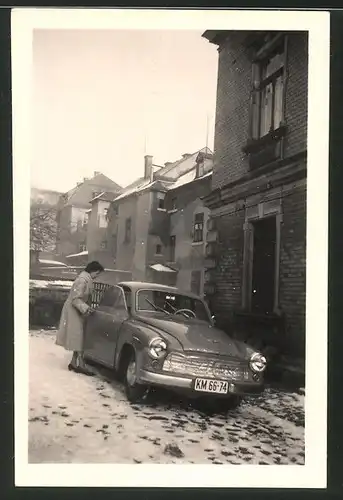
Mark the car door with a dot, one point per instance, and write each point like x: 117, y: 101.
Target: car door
x: 102, y: 328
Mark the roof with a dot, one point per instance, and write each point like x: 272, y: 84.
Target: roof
x: 162, y: 268
x: 96, y: 179
x: 189, y: 177
x: 105, y: 196
x: 167, y: 176
x: 142, y: 285
x: 80, y: 254
x: 138, y: 285
x: 53, y: 263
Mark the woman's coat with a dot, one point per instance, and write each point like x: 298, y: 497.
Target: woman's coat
x: 70, y: 334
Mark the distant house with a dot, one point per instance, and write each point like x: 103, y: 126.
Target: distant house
x: 73, y: 213
x: 97, y: 244
x: 151, y: 223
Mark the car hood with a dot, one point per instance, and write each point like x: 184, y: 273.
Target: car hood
x: 198, y: 336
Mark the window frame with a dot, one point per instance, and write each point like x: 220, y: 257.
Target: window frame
x: 172, y: 254
x: 278, y: 44
x: 158, y: 246
x: 128, y: 230
x: 198, y: 231
x: 106, y: 291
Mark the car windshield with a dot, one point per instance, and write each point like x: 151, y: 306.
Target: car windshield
x: 171, y: 303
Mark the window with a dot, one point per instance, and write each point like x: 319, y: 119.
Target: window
x: 172, y: 244
x: 267, y: 94
x: 82, y: 247
x: 95, y: 194
x: 158, y: 250
x: 85, y: 220
x: 102, y: 219
x: 113, y: 297
x: 173, y: 204
x: 160, y: 201
x: 198, y: 233
x: 200, y: 169
x: 160, y: 301
x: 128, y: 230
x: 196, y: 282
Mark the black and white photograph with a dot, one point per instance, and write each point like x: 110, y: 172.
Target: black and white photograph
x: 170, y: 247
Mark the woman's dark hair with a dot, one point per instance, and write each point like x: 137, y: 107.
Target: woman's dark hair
x: 94, y: 266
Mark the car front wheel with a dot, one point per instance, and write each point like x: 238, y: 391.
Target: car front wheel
x: 135, y: 392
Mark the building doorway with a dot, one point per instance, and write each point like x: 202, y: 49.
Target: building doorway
x: 263, y: 266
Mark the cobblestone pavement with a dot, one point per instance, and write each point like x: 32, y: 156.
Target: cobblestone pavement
x: 78, y: 419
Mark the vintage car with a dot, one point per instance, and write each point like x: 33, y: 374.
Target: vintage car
x: 154, y: 335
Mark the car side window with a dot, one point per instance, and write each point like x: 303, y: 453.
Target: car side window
x: 110, y: 297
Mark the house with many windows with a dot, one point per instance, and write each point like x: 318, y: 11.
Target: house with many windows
x: 156, y: 226
x: 73, y: 215
x: 256, y: 244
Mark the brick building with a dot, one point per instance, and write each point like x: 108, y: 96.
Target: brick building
x: 256, y: 252
x: 150, y: 228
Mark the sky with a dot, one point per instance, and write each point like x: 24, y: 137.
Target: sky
x: 102, y: 99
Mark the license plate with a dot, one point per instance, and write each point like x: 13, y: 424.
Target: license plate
x: 208, y: 385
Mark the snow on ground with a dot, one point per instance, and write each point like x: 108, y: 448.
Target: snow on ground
x: 79, y: 419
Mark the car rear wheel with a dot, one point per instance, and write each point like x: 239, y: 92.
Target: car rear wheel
x: 135, y: 392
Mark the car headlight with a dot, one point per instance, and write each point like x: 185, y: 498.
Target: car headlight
x: 258, y: 362
x: 157, y: 348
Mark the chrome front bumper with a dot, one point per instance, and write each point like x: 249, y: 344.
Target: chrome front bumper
x: 162, y: 379
x: 178, y: 382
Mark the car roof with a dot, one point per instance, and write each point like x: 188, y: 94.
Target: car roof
x: 139, y: 285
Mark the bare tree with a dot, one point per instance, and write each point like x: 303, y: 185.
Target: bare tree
x: 43, y: 227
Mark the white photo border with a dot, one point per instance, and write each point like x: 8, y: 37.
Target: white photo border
x: 311, y: 475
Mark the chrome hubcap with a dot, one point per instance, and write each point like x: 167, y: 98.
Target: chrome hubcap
x: 131, y: 373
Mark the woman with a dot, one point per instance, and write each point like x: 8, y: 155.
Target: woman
x: 70, y: 334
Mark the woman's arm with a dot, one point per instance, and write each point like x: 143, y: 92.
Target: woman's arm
x: 77, y: 294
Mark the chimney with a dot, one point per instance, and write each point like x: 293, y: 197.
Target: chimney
x: 96, y: 173
x: 167, y: 163
x: 148, y: 170
x: 186, y: 155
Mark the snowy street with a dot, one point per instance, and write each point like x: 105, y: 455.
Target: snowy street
x: 79, y: 419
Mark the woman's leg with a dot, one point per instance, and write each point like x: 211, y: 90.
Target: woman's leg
x: 74, y: 360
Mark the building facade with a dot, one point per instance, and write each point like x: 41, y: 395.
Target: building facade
x: 256, y: 249
x: 151, y: 222
x: 73, y: 213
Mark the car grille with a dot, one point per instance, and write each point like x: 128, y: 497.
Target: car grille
x: 195, y: 366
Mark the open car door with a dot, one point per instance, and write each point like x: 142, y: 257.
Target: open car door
x: 102, y: 327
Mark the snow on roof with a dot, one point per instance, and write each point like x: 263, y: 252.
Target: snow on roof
x: 52, y: 262
x: 188, y: 177
x: 104, y: 196
x: 160, y: 267
x: 46, y: 283
x: 85, y: 252
x: 135, y: 188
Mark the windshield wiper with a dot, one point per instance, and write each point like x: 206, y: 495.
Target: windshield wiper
x: 156, y: 307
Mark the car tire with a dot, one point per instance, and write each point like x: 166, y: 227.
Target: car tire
x: 135, y: 392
